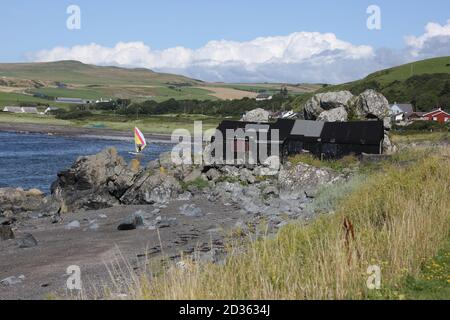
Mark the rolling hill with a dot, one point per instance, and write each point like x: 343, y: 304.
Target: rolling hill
x: 21, y: 82
x: 75, y: 72
x: 425, y: 84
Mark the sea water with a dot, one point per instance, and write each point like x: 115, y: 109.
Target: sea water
x: 33, y: 160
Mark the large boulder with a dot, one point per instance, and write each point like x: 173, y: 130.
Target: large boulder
x: 93, y: 182
x: 19, y: 201
x: 334, y: 115
x: 152, y: 187
x: 256, y: 115
x: 371, y: 105
x: 326, y: 101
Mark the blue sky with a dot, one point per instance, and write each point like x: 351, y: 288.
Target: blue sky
x: 30, y: 26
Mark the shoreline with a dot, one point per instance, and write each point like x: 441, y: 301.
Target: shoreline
x: 93, y: 133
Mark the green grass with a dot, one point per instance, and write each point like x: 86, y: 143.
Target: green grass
x: 433, y: 282
x: 403, y: 72
x: 183, y: 93
x: 407, y: 138
x: 13, y: 99
x: 153, y: 124
x: 70, y: 93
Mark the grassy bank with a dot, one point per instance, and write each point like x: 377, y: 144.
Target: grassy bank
x: 397, y: 219
x: 165, y: 124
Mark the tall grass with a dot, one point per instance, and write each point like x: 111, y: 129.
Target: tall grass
x: 396, y: 220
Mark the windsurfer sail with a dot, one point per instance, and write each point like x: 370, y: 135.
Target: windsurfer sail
x: 139, y: 140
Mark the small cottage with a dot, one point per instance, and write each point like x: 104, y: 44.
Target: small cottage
x: 438, y: 115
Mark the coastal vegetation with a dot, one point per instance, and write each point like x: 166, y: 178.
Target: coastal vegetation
x: 396, y: 218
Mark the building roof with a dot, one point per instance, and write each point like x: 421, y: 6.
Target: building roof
x: 29, y: 110
x: 263, y: 96
x: 307, y: 128
x: 71, y: 100
x: 435, y: 112
x: 404, y: 107
x: 12, y: 109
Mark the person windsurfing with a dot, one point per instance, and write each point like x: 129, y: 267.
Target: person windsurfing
x: 139, y: 141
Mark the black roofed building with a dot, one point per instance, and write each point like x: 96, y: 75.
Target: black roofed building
x: 326, y: 140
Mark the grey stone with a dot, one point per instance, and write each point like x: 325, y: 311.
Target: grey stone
x: 371, y: 104
x: 190, y: 210
x: 326, y: 101
x: 388, y: 146
x: 213, y: 174
x: 150, y: 188
x: 93, y: 182
x: 334, y: 115
x: 27, y: 241
x: 297, y: 180
x: 12, y: 281
x: 73, y: 225
x: 256, y: 115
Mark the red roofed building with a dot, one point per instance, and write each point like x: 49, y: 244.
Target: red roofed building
x: 438, y: 115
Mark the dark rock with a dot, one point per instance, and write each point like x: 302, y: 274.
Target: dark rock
x: 6, y: 233
x: 27, y: 241
x: 151, y: 188
x: 93, y: 182
x: 131, y: 222
x: 56, y: 218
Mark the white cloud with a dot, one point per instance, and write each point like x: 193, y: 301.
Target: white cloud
x: 298, y: 57
x: 435, y: 36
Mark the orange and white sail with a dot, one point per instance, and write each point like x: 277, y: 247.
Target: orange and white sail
x: 139, y: 140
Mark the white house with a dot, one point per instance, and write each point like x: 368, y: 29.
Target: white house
x: 263, y: 97
x: 401, y: 111
x: 31, y: 110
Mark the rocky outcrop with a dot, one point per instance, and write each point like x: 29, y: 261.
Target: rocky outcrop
x: 256, y: 115
x: 326, y: 101
x: 335, y: 115
x: 15, y: 201
x: 303, y: 179
x: 93, y: 182
x: 152, y: 187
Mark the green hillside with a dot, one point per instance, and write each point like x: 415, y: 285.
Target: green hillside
x: 79, y: 73
x: 425, y: 84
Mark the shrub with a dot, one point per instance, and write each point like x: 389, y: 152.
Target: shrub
x: 73, y: 115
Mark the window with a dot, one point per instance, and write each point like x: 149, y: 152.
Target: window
x: 435, y: 119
